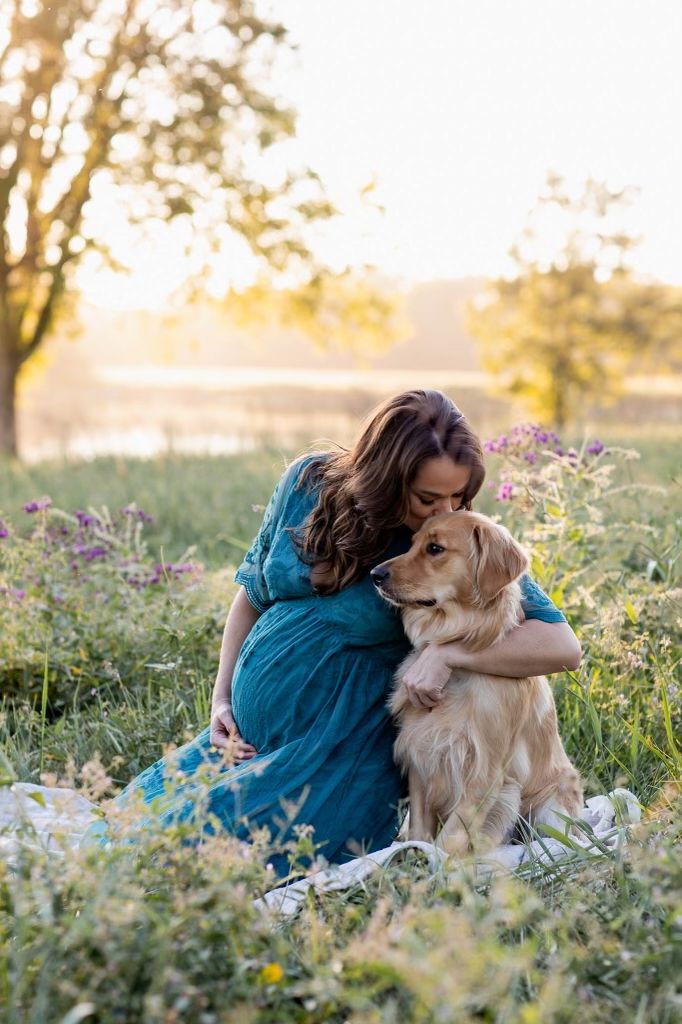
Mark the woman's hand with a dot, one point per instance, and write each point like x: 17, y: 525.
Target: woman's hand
x: 426, y: 677
x: 532, y: 648
x: 225, y: 734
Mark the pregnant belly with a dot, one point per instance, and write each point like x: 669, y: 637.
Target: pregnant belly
x: 295, y: 680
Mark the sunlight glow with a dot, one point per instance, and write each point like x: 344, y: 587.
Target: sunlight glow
x: 457, y: 111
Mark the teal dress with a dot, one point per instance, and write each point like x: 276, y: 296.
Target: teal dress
x: 309, y: 692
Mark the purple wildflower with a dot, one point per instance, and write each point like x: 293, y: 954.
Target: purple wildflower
x: 596, y: 448
x: 38, y: 505
x: 489, y: 447
x: 531, y: 457
x: 130, y: 510
x: 85, y: 519
x: 4, y: 532
x: 97, y: 552
x: 505, y: 492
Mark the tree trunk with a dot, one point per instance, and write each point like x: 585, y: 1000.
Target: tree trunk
x: 8, y: 390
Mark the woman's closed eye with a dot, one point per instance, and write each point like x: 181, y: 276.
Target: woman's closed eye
x: 455, y: 500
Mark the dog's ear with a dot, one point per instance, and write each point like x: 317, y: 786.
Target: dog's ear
x: 498, y: 560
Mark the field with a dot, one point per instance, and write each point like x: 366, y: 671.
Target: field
x: 113, y: 600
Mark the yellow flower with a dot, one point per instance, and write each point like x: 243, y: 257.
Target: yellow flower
x: 530, y: 1014
x: 271, y: 974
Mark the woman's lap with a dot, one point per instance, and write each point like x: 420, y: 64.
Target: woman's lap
x: 351, y: 805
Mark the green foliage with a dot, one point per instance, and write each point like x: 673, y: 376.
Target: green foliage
x: 565, y: 327
x: 210, y: 504
x: 84, y: 607
x: 161, y: 932
x: 348, y: 311
x: 158, y: 934
x: 610, y: 555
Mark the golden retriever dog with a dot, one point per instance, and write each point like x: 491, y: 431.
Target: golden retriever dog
x: 489, y: 751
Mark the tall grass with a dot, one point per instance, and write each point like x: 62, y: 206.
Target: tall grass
x: 168, y: 933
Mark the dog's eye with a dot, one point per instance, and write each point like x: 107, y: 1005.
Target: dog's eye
x: 434, y: 549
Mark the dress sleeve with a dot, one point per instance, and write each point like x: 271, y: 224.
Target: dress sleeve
x: 536, y: 604
x: 250, y: 573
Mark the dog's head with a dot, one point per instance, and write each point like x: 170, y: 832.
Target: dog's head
x: 460, y: 557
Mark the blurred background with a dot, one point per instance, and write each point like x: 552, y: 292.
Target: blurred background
x: 228, y: 224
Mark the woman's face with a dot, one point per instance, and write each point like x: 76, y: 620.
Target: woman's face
x: 439, y: 486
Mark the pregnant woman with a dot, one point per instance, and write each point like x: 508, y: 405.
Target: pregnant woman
x: 310, y: 649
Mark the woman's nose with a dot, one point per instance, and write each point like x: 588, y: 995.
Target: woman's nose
x: 441, y: 506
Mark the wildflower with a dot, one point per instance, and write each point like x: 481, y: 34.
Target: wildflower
x: 531, y: 457
x: 85, y: 519
x: 505, y: 492
x: 489, y: 447
x: 633, y: 660
x: 271, y: 974
x: 38, y: 505
x: 183, y: 567
x: 96, y: 552
x: 596, y: 448
x: 139, y: 513
x: 4, y: 532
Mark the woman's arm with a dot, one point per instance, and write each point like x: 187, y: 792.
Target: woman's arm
x: 533, y: 648
x: 240, y: 621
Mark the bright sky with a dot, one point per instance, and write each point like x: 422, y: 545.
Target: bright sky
x: 457, y: 108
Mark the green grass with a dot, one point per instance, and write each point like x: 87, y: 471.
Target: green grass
x: 163, y: 935
x: 207, y: 502
x: 202, y: 502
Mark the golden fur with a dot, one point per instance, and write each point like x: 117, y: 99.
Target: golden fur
x: 489, y: 751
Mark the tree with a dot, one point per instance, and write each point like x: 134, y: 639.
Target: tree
x: 355, y: 311
x: 159, y: 106
x: 571, y: 319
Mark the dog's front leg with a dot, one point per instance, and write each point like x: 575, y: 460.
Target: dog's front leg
x: 423, y: 821
x: 481, y: 823
x: 503, y: 814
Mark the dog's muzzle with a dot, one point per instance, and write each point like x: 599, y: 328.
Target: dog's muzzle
x: 380, y: 578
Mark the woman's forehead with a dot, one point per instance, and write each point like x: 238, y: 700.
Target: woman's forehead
x: 441, y: 476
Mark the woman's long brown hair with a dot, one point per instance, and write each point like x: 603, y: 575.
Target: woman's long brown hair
x: 363, y: 493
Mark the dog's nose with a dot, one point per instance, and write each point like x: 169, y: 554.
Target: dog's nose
x: 379, y: 575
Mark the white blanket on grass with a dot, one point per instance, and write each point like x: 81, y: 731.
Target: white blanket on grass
x: 54, y: 820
